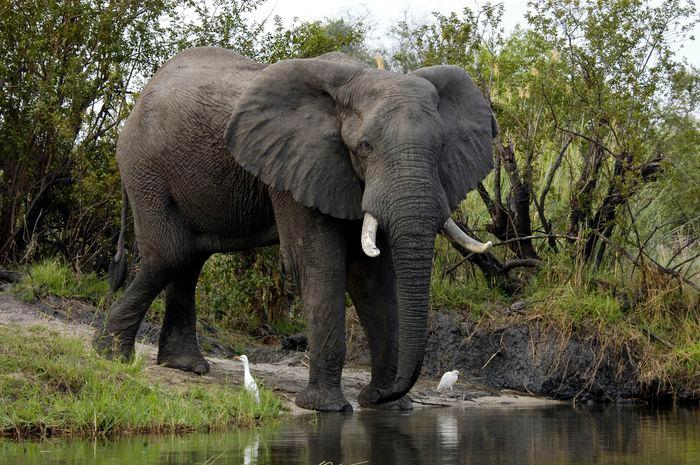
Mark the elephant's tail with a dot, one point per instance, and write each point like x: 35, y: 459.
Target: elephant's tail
x: 117, y: 267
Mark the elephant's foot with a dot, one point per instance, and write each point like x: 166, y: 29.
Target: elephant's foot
x: 404, y: 403
x: 323, y: 399
x: 113, y: 347
x: 368, y: 399
x: 192, y: 361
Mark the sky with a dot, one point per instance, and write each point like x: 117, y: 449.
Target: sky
x: 385, y: 13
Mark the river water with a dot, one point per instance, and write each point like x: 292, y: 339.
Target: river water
x: 543, y: 435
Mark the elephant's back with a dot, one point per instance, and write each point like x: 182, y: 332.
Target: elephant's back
x: 204, y: 81
x: 210, y: 67
x: 172, y: 146
x: 191, y: 95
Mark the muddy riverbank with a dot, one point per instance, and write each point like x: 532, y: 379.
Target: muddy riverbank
x: 284, y: 371
x: 533, y: 357
x: 509, y: 365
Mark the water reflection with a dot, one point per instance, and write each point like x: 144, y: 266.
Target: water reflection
x: 555, y: 435
x: 250, y: 451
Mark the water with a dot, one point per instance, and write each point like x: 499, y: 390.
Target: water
x: 551, y: 435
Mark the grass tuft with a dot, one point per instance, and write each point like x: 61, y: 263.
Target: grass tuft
x: 52, y: 276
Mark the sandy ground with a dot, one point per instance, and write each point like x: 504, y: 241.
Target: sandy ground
x: 284, y: 372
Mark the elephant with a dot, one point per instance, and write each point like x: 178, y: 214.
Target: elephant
x: 352, y: 170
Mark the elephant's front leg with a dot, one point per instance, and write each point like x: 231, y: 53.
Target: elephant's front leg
x: 313, y: 249
x: 322, y: 296
x: 371, y: 283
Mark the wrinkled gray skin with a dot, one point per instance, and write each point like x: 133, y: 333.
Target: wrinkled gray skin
x: 221, y: 153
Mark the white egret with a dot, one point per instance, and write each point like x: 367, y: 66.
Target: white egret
x: 248, y: 380
x: 448, y: 380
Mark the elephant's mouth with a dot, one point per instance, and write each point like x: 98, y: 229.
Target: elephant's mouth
x: 368, y: 237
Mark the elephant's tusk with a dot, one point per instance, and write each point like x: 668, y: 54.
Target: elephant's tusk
x: 456, y: 234
x: 369, y: 236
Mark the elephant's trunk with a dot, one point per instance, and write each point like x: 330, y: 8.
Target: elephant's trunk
x: 406, y: 197
x: 413, y: 259
x: 412, y: 243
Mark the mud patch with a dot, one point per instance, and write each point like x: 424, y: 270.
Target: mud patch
x: 534, y: 359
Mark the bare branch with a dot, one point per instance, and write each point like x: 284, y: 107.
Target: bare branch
x: 689, y: 260
x: 634, y: 260
x: 519, y: 262
x: 681, y: 249
x: 544, y: 236
x: 549, y: 177
x: 483, y: 193
x: 593, y: 141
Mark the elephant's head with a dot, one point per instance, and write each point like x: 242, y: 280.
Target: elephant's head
x: 354, y: 142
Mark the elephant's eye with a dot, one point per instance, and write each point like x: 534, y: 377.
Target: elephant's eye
x: 363, y: 146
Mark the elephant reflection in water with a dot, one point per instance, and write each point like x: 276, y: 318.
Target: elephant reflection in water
x: 554, y: 435
x: 366, y: 437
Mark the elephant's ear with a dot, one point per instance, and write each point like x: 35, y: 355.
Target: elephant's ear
x: 469, y: 131
x: 285, y: 129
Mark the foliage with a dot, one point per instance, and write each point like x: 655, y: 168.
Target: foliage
x: 448, y: 39
x: 458, y: 287
x: 247, y: 292
x: 53, y: 385
x: 597, y: 119
x: 307, y: 40
x: 66, y: 70
x: 68, y: 77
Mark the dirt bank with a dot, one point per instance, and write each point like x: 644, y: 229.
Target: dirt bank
x: 532, y: 357
x: 508, y: 360
x: 284, y: 371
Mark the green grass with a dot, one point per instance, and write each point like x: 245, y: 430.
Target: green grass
x: 54, y: 385
x: 458, y: 290
x: 52, y: 276
x: 576, y: 305
x: 472, y: 295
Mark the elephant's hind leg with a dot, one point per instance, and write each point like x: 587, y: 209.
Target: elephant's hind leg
x: 372, y: 288
x: 178, y: 347
x: 116, y: 340
x: 166, y: 247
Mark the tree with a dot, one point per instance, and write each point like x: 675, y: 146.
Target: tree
x: 592, y: 104
x: 310, y: 39
x: 65, y: 75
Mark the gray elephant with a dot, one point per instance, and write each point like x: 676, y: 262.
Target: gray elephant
x: 352, y: 170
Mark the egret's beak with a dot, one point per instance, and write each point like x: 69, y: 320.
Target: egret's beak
x: 237, y: 357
